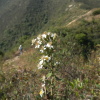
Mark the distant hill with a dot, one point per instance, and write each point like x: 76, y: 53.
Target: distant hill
x: 24, y: 18
x: 89, y: 4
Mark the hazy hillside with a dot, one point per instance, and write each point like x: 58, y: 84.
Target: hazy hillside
x: 20, y: 18
x: 11, y: 11
x: 89, y: 4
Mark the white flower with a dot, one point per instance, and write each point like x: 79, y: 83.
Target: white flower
x: 40, y: 65
x: 49, y: 45
x: 43, y: 78
x: 46, y: 58
x: 41, y: 62
x: 42, y: 49
x: 41, y: 92
x: 33, y: 41
x: 54, y: 36
x: 38, y: 43
x: 43, y: 85
x: 37, y: 46
x: 39, y: 37
x: 44, y: 36
x: 70, y: 6
x: 57, y: 63
x: 48, y: 33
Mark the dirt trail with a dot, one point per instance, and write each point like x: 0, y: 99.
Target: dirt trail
x: 79, y: 17
x: 9, y: 61
x: 15, y: 62
x: 19, y: 62
x: 16, y: 57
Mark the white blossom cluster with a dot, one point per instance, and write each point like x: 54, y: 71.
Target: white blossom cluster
x: 47, y: 37
x: 45, y: 42
x: 43, y: 89
x: 43, y: 60
x: 56, y: 63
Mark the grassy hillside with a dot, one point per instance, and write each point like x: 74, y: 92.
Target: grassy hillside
x: 89, y: 4
x: 73, y: 72
x: 11, y: 13
x: 78, y: 73
x: 25, y: 18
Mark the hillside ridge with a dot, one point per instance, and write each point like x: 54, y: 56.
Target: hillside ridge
x: 85, y: 17
x: 29, y: 17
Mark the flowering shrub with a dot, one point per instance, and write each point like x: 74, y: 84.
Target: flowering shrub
x: 46, y: 44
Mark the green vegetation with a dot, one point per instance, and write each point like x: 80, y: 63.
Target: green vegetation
x: 77, y: 50
x: 96, y: 12
x: 32, y: 17
x: 1, y: 55
x: 84, y: 37
x: 85, y: 43
x: 89, y: 4
x: 75, y: 77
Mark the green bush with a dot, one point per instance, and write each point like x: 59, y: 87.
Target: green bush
x: 81, y: 38
x: 1, y: 53
x: 86, y: 44
x: 96, y: 12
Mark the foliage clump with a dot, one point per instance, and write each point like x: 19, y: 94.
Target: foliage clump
x: 96, y: 12
x: 86, y: 44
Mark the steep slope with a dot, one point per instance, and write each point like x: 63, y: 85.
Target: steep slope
x: 89, y: 4
x: 21, y: 74
x: 21, y: 79
x: 20, y: 18
x: 11, y: 12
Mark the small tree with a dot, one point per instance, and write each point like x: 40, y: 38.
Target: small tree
x: 86, y: 44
